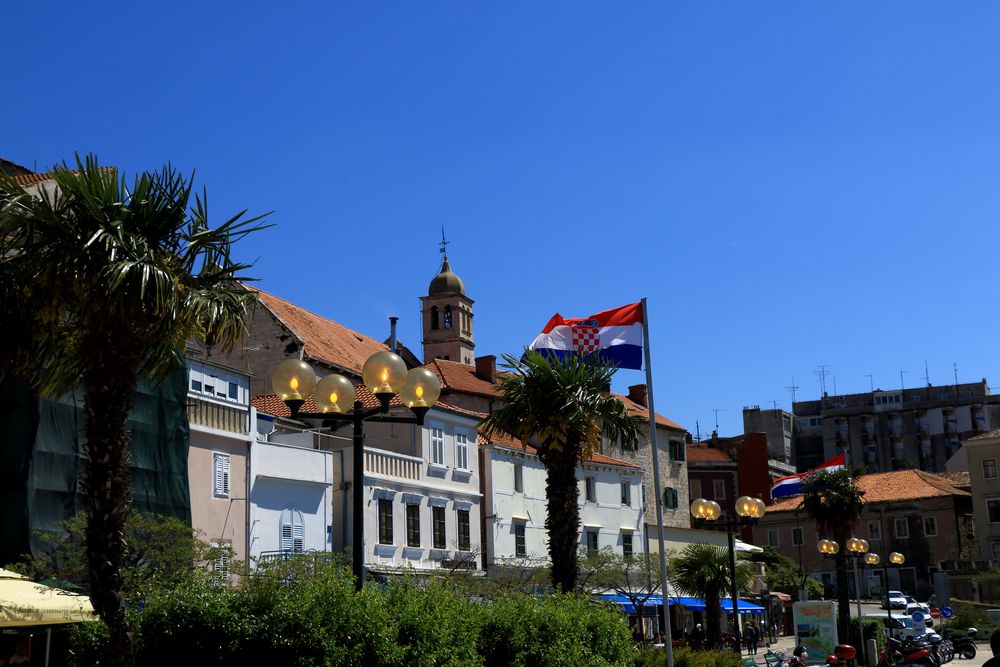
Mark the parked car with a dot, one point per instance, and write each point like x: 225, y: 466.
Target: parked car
x: 894, y: 600
x: 900, y: 626
x: 913, y: 606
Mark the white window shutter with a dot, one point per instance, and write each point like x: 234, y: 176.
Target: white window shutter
x: 225, y: 475
x: 286, y: 537
x: 298, y: 537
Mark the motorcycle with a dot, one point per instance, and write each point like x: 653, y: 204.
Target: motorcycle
x: 964, y: 646
x: 941, y: 648
x: 843, y: 656
x: 906, y: 652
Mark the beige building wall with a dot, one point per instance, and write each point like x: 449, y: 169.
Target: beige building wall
x: 983, y: 454
x: 218, y: 518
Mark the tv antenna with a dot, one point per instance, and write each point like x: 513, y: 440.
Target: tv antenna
x: 871, y: 384
x: 902, y: 385
x: 927, y: 375
x: 955, y: 366
x: 717, y: 411
x: 822, y: 372
x: 792, y: 389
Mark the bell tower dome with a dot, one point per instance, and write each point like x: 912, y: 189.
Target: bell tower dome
x: 447, y: 316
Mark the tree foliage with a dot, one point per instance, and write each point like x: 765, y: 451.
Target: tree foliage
x: 783, y: 574
x: 702, y: 570
x: 562, y: 407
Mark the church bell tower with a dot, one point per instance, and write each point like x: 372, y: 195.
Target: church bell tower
x: 447, y: 316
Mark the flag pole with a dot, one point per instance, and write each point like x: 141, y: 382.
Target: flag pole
x: 667, y: 640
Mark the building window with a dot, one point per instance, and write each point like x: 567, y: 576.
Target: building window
x: 626, y: 494
x: 519, y: 478
x: 592, y: 544
x: 995, y: 547
x: 695, y: 489
x: 626, y: 544
x: 293, y: 529
x: 671, y: 501
x: 677, y: 450
x: 413, y: 525
x: 435, y: 320
x: 220, y: 567
x: 989, y: 468
x: 874, y: 530
x: 772, y: 537
x: 384, y: 521
x: 461, y: 450
x: 440, y: 536
x: 719, y: 489
x: 930, y: 526
x: 447, y: 317
x: 196, y: 385
x: 901, y: 528
x: 993, y: 509
x: 797, y: 540
x: 221, y: 475
x: 786, y: 423
x: 520, y: 549
x: 591, y: 484
x: 234, y: 391
x: 437, y: 445
x: 464, y: 539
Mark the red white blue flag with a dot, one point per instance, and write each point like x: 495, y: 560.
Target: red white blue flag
x: 615, y: 335
x: 791, y: 485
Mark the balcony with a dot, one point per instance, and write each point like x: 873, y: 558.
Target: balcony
x: 209, y: 414
x: 390, y: 464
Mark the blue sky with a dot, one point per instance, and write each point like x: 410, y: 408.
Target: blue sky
x: 791, y: 184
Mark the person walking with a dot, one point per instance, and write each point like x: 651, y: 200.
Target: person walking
x: 752, y: 633
x: 995, y: 647
x: 697, y: 636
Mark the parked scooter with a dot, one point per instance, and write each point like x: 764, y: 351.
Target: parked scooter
x: 843, y: 656
x: 906, y: 652
x: 964, y: 646
x: 941, y: 648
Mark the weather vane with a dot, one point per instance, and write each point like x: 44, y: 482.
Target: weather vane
x: 444, y: 243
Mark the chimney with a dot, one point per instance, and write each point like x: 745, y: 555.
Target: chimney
x: 715, y: 438
x: 486, y: 367
x: 637, y: 393
x: 392, y: 333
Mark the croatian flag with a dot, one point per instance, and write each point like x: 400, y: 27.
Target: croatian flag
x: 791, y: 485
x: 615, y: 335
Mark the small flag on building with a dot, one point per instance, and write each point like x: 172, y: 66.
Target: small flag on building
x: 615, y: 335
x: 791, y: 485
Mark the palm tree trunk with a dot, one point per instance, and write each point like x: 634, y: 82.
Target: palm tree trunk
x: 109, y: 384
x: 843, y: 599
x: 562, y: 521
x: 713, y: 610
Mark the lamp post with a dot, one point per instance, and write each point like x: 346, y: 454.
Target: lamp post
x: 385, y: 374
x: 895, y: 559
x: 857, y: 551
x: 748, y: 511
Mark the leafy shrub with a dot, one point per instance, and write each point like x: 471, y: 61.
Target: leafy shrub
x: 686, y: 657
x: 872, y: 630
x: 88, y: 643
x: 970, y: 616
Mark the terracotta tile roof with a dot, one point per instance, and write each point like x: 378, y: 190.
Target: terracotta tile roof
x: 638, y: 410
x: 324, y: 339
x: 697, y: 452
x: 272, y: 405
x: 461, y: 378
x: 889, y: 487
x: 986, y: 436
x: 12, y: 168
x: 961, y: 478
x: 25, y: 180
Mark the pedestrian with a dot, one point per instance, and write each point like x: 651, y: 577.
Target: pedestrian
x: 697, y: 636
x: 995, y: 647
x: 753, y: 636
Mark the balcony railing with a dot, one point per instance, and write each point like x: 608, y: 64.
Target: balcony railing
x: 390, y: 464
x: 215, y: 415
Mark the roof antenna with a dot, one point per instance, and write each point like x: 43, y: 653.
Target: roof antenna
x: 717, y: 411
x: 927, y: 375
x: 792, y: 389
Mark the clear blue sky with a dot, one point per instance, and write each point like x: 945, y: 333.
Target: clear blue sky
x: 790, y: 183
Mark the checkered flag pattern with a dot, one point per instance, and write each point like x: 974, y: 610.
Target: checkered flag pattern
x: 586, y: 339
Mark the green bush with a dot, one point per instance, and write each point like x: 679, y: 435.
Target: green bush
x: 87, y: 643
x: 970, y: 616
x: 872, y: 630
x: 686, y: 657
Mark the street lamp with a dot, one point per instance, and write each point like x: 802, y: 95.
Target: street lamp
x: 385, y: 374
x: 857, y: 550
x: 749, y: 510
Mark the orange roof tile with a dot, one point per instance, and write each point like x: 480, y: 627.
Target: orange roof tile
x: 701, y: 452
x: 460, y: 378
x: 637, y: 410
x: 324, y: 339
x: 25, y: 180
x: 888, y: 487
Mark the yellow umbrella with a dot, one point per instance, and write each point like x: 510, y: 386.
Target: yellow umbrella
x: 25, y: 603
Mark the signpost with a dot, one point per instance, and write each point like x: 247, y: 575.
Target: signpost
x: 946, y: 612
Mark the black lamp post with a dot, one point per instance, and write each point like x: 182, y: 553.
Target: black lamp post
x: 385, y: 374
x: 895, y: 559
x: 857, y: 551
x: 748, y: 511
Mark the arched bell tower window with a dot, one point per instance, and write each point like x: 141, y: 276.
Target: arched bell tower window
x: 447, y: 317
x: 434, y: 317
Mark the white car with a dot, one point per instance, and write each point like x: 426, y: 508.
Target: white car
x: 912, y: 606
x: 894, y: 600
x: 900, y: 626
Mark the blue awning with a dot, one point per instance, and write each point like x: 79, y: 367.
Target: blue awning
x: 744, y: 606
x: 691, y: 604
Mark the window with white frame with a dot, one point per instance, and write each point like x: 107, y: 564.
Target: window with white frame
x: 797, y: 540
x: 591, y: 484
x: 437, y: 445
x: 901, y: 528
x: 627, y: 544
x: 930, y: 526
x: 220, y: 566
x: 719, y: 489
x: 626, y: 493
x: 292, y: 531
x: 220, y: 476
x: 592, y: 542
x: 461, y: 450
x: 520, y: 546
x: 989, y: 468
x: 518, y: 478
x: 773, y: 538
x: 464, y: 533
x: 874, y: 530
x: 384, y: 521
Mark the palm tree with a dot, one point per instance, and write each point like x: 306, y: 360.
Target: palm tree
x: 834, y: 501
x: 562, y: 406
x: 102, y: 285
x: 702, y: 570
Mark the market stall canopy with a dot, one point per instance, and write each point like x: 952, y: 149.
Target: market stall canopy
x: 26, y: 603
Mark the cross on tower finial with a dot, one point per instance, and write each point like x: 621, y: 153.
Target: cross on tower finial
x: 444, y: 244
